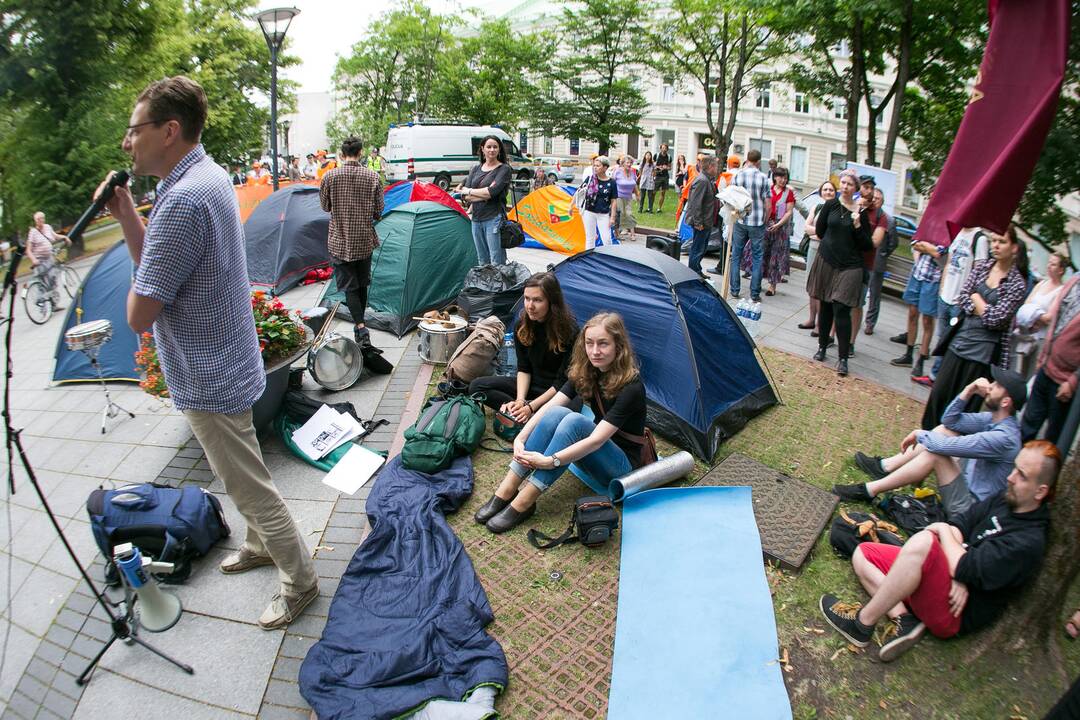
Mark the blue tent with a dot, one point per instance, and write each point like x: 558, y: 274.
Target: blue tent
x: 701, y: 376
x: 285, y: 237
x: 102, y: 295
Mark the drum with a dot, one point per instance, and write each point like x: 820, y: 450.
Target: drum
x: 335, y: 362
x: 88, y: 335
x: 440, y: 338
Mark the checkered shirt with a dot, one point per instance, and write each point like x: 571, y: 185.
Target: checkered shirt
x: 926, y: 268
x: 353, y: 196
x: 1011, y: 293
x: 757, y: 184
x: 194, y: 262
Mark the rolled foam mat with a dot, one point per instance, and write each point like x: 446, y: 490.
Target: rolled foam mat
x: 695, y: 635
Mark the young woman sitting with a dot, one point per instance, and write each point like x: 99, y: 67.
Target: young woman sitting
x: 604, y: 373
x: 543, y: 339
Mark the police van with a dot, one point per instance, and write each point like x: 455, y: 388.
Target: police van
x: 444, y: 154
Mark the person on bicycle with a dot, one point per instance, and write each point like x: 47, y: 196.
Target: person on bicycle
x: 39, y: 247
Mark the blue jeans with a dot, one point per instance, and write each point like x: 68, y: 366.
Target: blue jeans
x: 697, y: 248
x: 485, y: 235
x: 558, y: 429
x: 945, y: 313
x: 755, y: 234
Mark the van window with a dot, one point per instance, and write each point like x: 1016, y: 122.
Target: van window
x: 511, y: 149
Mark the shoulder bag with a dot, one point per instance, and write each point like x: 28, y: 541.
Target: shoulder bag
x: 646, y: 441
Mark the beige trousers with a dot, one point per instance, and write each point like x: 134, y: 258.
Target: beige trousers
x: 233, y: 451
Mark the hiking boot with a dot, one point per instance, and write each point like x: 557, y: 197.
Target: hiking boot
x: 900, y: 339
x: 904, y: 360
x: 917, y: 368
x: 903, y: 633
x: 857, y: 491
x: 283, y: 609
x: 509, y: 518
x: 870, y: 464
x: 243, y: 560
x: 844, y: 618
x: 490, y: 509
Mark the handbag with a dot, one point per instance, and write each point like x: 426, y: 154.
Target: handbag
x: 511, y: 234
x: 580, y: 195
x: 646, y: 441
x: 594, y: 519
x: 505, y: 426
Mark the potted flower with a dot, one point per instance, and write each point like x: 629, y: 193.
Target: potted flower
x: 282, y: 341
x: 148, y: 365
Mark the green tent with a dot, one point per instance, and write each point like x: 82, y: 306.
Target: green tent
x: 425, y: 250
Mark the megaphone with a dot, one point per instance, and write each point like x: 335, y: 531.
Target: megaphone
x: 158, y: 610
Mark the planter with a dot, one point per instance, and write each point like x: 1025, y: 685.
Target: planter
x: 277, y: 384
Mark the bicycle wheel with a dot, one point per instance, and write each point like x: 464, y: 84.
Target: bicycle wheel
x: 70, y: 280
x: 38, y: 304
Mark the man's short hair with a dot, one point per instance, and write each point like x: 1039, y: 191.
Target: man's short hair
x: 1051, y: 464
x: 708, y: 161
x: 753, y: 156
x: 177, y: 98
x: 352, y: 146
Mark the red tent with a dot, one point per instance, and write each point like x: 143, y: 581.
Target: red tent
x: 411, y: 190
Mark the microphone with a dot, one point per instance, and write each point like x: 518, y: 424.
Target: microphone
x: 76, y: 231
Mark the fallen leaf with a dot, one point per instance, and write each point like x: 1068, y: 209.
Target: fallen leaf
x: 836, y: 654
x: 329, y: 548
x: 882, y: 705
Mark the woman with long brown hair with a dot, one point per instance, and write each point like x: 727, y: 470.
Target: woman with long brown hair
x: 543, y: 338
x: 604, y: 373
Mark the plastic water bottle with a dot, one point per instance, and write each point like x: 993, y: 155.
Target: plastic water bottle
x: 508, y: 356
x: 742, y: 311
x: 753, y: 320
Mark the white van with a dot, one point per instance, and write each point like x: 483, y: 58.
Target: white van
x: 444, y: 154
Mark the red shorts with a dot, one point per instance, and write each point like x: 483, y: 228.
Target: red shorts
x: 930, y: 601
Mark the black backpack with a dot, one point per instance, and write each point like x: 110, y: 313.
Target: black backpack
x: 850, y: 529
x: 912, y: 514
x: 594, y: 519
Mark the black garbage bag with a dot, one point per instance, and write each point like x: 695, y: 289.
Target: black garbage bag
x: 493, y: 290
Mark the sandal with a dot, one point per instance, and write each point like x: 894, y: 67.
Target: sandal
x: 1074, y: 623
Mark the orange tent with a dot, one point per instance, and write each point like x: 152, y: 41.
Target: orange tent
x: 545, y: 217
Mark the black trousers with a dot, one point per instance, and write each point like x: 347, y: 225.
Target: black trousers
x: 1043, y: 405
x: 955, y: 374
x: 840, y: 314
x: 873, y: 302
x: 499, y: 390
x: 652, y: 196
x: 353, y: 277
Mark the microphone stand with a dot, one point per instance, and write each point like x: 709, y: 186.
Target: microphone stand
x: 125, y: 626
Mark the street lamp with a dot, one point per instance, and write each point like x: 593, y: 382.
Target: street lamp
x: 274, y: 24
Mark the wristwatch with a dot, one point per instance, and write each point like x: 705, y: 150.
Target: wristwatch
x: 555, y: 461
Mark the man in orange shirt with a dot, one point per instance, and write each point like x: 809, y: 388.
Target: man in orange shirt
x: 324, y: 164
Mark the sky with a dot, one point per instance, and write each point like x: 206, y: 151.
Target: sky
x: 325, y: 29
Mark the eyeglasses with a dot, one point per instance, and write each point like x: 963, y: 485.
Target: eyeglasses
x: 139, y: 125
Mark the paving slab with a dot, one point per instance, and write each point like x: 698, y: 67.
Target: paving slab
x: 310, y: 515
x: 142, y: 464
x: 17, y: 655
x: 81, y: 538
x: 39, y: 600
x: 113, y: 696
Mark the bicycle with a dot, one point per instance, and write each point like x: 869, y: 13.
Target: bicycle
x: 38, y: 296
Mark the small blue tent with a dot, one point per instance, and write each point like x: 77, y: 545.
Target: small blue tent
x: 102, y: 295
x: 286, y: 237
x: 702, y: 378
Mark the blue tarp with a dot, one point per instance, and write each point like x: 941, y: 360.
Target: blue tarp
x: 102, y: 295
x: 702, y: 379
x: 407, y: 622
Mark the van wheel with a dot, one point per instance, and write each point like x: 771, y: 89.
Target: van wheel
x: 442, y: 181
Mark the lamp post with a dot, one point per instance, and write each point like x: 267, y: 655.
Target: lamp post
x: 274, y: 24
x: 285, y: 125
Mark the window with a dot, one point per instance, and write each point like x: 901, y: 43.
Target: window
x: 548, y: 145
x: 802, y: 103
x: 911, y: 193
x: 841, y: 49
x: 666, y: 137
x: 575, y: 146
x: 799, y: 161
x: 837, y: 162
x: 765, y: 146
x: 667, y: 91
x: 762, y: 96
x: 523, y: 141
x: 879, y: 121
x: 839, y: 109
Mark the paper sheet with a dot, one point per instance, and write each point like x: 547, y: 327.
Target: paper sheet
x: 354, y: 469
x: 324, y: 431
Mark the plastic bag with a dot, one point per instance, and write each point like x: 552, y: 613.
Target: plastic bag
x: 493, y: 290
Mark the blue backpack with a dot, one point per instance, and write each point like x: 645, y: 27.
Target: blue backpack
x: 169, y: 524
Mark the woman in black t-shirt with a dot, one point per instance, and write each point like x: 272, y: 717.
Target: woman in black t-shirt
x: 485, y: 189
x: 543, y: 339
x: 604, y: 373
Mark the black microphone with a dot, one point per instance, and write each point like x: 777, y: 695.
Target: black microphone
x: 76, y: 231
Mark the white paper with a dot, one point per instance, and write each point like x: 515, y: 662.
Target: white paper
x: 324, y: 431
x: 354, y: 469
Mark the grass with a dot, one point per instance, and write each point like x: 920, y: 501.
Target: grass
x: 558, y: 634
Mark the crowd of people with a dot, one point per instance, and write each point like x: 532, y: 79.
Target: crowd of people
x: 316, y: 165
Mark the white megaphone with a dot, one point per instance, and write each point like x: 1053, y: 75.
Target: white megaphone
x: 158, y: 610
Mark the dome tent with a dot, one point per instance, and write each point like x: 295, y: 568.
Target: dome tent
x: 285, y: 237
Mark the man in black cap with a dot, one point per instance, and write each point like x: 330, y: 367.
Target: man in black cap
x: 990, y: 438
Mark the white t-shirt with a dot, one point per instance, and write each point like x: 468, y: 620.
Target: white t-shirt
x: 971, y: 244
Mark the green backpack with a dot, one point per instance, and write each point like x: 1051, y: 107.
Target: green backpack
x: 446, y: 428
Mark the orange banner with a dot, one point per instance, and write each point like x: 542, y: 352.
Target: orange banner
x: 249, y: 196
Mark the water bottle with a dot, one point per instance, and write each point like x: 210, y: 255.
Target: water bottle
x: 508, y: 356
x: 742, y: 311
x: 753, y: 319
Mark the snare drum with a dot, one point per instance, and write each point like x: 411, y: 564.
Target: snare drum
x: 440, y: 338
x: 88, y: 335
x: 335, y: 362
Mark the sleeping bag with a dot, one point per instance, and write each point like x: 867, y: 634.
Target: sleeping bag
x: 406, y: 625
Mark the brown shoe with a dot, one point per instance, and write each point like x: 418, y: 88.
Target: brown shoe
x: 243, y: 560
x: 283, y: 609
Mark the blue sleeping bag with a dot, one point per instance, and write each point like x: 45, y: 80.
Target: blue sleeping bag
x: 407, y: 622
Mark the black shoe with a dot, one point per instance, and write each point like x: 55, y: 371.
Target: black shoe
x: 904, y: 360
x: 820, y: 354
x: 714, y: 271
x: 841, y: 367
x: 735, y: 296
x: 851, y: 350
x: 362, y: 336
x: 870, y: 464
x: 905, y: 631
x: 755, y: 298
x: 509, y: 518
x: 490, y: 509
x: 917, y: 368
x: 832, y: 341
x: 900, y: 339
x: 844, y: 619
x: 374, y: 361
x: 852, y: 492
x: 746, y: 276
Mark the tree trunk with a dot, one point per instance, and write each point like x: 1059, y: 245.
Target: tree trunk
x: 1033, y: 621
x: 605, y: 145
x: 855, y: 88
x: 903, y: 74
